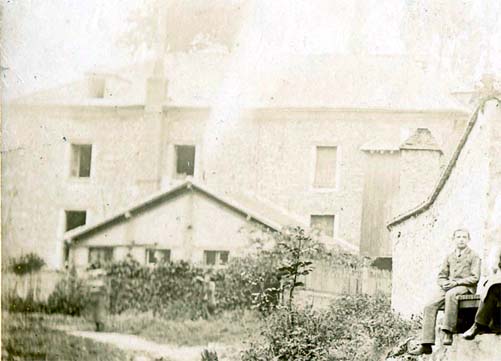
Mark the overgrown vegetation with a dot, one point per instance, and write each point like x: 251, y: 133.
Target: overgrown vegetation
x: 164, y: 304
x: 70, y: 297
x: 354, y: 328
x: 26, y: 337
x: 26, y: 264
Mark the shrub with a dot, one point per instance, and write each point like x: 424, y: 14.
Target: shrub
x: 26, y: 264
x: 169, y: 288
x: 353, y: 328
x: 245, y: 279
x: 25, y: 305
x: 70, y: 296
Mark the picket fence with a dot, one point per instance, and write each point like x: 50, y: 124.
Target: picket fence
x: 346, y: 281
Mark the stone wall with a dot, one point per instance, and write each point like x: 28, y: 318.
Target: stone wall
x: 270, y: 155
x: 420, y: 243
x: 37, y: 186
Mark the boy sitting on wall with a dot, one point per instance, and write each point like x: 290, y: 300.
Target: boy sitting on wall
x: 459, y: 275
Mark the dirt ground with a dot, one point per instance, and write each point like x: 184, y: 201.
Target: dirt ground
x: 145, y: 350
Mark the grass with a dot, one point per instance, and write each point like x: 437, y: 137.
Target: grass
x: 226, y: 328
x: 28, y: 337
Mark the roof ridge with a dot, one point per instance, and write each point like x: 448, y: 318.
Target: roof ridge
x: 126, y: 212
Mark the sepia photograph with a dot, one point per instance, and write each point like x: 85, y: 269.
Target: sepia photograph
x: 250, y: 180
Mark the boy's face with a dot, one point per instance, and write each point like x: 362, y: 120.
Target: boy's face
x: 461, y: 239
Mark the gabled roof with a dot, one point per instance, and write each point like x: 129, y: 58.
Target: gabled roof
x: 197, y: 79
x: 428, y: 202
x: 274, y: 219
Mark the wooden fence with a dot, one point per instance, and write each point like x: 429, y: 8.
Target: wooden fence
x: 39, y: 284
x: 345, y: 281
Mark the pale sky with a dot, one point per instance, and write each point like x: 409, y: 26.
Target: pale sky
x: 49, y: 42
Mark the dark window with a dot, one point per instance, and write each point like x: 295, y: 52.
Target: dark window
x: 81, y: 157
x: 100, y: 255
x: 323, y: 223
x: 214, y: 258
x: 157, y: 255
x: 75, y: 219
x: 185, y: 160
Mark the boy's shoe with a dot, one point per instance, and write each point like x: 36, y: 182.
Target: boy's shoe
x: 447, y: 338
x: 474, y: 330
x: 423, y: 349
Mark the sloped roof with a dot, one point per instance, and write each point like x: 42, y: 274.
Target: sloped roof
x: 381, y: 145
x: 198, y: 79
x: 428, y: 202
x: 421, y: 139
x: 254, y: 210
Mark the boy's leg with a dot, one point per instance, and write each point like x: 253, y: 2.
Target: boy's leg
x: 430, y: 318
x: 451, y: 308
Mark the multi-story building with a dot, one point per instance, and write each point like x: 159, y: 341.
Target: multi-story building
x: 318, y: 140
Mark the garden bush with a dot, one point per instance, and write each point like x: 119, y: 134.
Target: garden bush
x: 26, y: 264
x: 167, y: 289
x: 70, y: 296
x: 352, y: 328
x: 15, y: 303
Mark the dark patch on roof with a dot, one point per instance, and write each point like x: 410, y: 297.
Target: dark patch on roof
x: 421, y: 139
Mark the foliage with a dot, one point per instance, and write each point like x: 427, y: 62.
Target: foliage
x: 353, y: 328
x: 296, y: 246
x: 171, y: 289
x: 26, y: 264
x: 29, y: 338
x: 249, y: 281
x: 28, y: 304
x: 70, y: 296
x: 168, y: 289
x: 209, y: 355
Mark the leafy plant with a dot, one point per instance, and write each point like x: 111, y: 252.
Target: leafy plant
x: 352, y: 328
x: 297, y: 250
x: 26, y: 264
x: 209, y: 355
x: 70, y: 296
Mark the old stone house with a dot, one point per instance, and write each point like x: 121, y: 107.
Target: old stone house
x: 467, y: 194
x: 318, y: 139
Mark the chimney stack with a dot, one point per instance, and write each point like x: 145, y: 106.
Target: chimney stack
x: 419, y: 168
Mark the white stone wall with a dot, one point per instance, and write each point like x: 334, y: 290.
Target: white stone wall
x: 421, y: 243
x: 37, y: 187
x: 273, y: 158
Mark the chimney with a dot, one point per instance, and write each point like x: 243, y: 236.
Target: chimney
x: 419, y: 169
x: 156, y: 88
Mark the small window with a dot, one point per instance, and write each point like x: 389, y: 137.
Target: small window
x: 154, y: 256
x: 100, y: 255
x: 75, y: 219
x: 324, y: 224
x: 97, y: 86
x: 81, y: 157
x: 185, y: 160
x: 325, y: 167
x: 215, y: 258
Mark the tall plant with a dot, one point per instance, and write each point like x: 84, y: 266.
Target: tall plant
x: 297, y: 249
